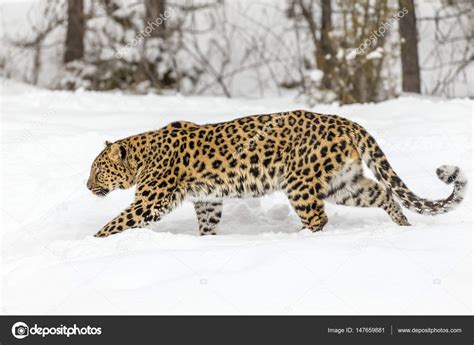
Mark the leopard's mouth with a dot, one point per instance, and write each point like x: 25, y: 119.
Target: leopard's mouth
x: 100, y: 191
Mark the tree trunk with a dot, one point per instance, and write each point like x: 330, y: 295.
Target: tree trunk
x: 75, y: 31
x: 154, y: 26
x: 409, y: 47
x: 326, y: 54
x: 155, y: 9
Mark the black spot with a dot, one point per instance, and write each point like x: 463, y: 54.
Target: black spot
x: 254, y: 171
x: 297, y: 185
x: 324, y: 151
x: 385, y: 164
x: 186, y: 158
x: 267, y: 161
x: 123, y: 152
x: 254, y: 159
x: 378, y: 153
x: 328, y: 167
x: 396, y: 180
x: 202, y: 166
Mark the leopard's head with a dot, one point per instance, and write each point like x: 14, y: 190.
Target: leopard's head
x: 110, y: 170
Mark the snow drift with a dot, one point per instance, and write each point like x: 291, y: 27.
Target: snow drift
x: 260, y: 263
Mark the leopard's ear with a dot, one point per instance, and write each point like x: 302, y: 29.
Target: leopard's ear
x: 117, y: 152
x: 107, y: 143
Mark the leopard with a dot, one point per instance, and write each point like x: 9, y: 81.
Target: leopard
x: 312, y: 158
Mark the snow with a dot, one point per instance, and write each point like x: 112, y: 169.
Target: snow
x: 375, y: 54
x: 315, y: 75
x: 260, y: 263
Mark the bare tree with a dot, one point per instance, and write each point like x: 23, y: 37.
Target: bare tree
x: 448, y: 64
x: 75, y: 31
x: 409, y: 48
x: 335, y: 28
x: 44, y: 19
x: 211, y: 46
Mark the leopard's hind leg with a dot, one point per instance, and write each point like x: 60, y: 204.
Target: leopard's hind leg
x: 208, y: 215
x: 351, y: 188
x: 307, y: 204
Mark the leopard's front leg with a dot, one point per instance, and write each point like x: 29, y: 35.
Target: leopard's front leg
x: 131, y: 217
x: 143, y: 211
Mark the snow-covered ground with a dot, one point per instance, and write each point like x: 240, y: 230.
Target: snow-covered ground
x: 260, y: 263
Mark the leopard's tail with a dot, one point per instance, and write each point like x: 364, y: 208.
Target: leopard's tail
x: 377, y: 162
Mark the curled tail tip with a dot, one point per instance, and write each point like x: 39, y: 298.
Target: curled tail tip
x: 450, y: 173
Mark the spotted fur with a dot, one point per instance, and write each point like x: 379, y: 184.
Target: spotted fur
x: 312, y: 157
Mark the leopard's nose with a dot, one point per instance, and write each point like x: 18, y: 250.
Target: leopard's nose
x: 89, y: 184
